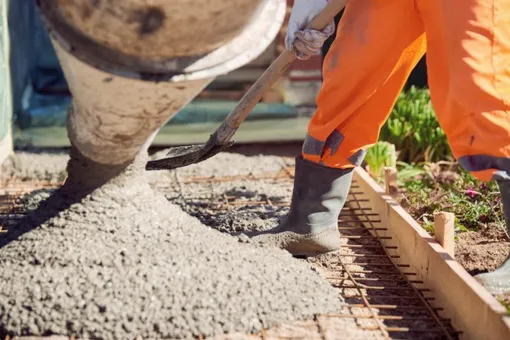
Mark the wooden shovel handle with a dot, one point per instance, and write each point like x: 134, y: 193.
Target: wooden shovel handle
x: 237, y: 116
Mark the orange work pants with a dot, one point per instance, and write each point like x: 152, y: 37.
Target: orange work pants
x: 378, y: 44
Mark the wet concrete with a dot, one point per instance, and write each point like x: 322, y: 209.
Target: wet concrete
x: 122, y: 261
x: 35, y: 165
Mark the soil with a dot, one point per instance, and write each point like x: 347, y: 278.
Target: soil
x: 483, y: 250
x: 121, y: 261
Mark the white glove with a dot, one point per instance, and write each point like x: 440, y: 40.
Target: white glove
x: 306, y: 42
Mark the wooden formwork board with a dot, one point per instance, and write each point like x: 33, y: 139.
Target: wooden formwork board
x: 472, y: 309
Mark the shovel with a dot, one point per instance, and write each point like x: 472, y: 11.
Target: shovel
x: 220, y: 140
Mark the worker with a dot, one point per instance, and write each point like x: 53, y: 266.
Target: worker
x: 378, y: 44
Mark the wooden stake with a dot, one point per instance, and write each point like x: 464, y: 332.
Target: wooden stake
x: 390, y: 181
x: 444, y: 226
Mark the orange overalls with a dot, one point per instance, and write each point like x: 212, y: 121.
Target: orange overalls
x: 378, y: 44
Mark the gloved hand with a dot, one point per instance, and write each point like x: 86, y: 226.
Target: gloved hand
x: 306, y: 42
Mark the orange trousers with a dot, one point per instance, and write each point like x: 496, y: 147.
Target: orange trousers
x: 378, y: 44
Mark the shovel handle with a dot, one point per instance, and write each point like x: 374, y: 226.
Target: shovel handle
x: 237, y: 116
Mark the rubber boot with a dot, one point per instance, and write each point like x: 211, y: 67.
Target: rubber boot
x: 498, y: 281
x: 311, y: 226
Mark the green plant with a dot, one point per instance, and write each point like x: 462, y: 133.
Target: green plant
x: 382, y: 154
x: 428, y: 225
x: 446, y: 186
x: 414, y: 130
x: 407, y: 172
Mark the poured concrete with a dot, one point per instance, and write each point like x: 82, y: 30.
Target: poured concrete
x: 112, y: 117
x: 122, y: 261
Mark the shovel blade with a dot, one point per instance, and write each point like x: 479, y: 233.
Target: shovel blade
x: 181, y: 156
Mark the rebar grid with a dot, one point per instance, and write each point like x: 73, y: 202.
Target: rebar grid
x: 380, y: 295
x: 418, y: 293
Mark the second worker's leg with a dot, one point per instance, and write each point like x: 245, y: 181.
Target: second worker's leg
x: 468, y: 54
x: 377, y: 45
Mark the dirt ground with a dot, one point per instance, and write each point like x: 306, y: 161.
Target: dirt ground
x: 483, y: 250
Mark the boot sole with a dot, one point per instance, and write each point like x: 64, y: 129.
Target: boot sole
x: 311, y: 245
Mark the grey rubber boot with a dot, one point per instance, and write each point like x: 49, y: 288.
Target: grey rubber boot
x: 311, y: 226
x: 498, y: 281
